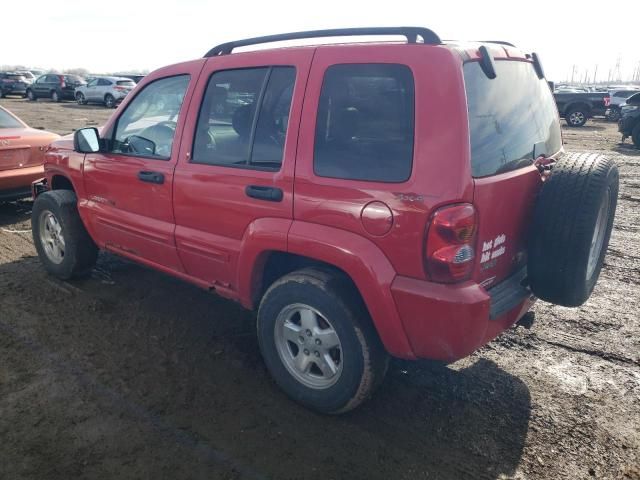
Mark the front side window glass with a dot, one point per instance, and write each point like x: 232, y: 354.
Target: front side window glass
x: 148, y: 124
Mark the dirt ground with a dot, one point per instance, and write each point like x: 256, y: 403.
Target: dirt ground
x: 132, y: 374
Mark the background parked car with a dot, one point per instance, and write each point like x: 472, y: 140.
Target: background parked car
x: 629, y: 124
x: 577, y: 107
x: 106, y: 90
x: 132, y: 76
x: 30, y: 77
x: 21, y: 155
x: 618, y: 97
x: 55, y: 86
x: 12, y: 83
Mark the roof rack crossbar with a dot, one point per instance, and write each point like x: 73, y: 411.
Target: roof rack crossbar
x: 411, y: 33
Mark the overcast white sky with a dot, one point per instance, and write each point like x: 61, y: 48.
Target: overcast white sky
x: 135, y: 34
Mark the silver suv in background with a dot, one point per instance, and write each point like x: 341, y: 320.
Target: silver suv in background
x: 106, y: 90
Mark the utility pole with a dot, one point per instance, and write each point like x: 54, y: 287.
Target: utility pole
x: 595, y: 74
x: 573, y: 73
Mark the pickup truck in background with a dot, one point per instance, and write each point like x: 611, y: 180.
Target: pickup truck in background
x: 577, y: 108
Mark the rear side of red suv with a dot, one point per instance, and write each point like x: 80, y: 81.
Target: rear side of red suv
x: 367, y: 199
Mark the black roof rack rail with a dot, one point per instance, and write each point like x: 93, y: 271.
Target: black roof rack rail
x: 411, y: 33
x: 499, y: 42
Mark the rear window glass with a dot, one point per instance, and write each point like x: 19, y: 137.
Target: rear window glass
x: 7, y: 121
x: 126, y: 83
x: 634, y: 99
x: 365, y: 123
x: 73, y: 78
x: 14, y: 76
x: 510, y: 117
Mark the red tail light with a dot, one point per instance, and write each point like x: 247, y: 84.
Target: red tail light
x: 451, y: 238
x: 62, y: 84
x: 607, y: 101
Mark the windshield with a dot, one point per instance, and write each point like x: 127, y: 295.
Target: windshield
x: 7, y: 120
x: 510, y: 117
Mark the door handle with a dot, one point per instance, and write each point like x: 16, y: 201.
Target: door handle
x: 270, y: 194
x: 151, y: 177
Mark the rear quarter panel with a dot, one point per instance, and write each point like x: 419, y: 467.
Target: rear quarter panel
x: 441, y: 168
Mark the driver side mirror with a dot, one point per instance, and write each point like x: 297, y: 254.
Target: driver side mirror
x: 86, y: 140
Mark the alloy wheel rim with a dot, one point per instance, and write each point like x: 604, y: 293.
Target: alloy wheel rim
x: 597, y: 240
x: 51, y: 237
x: 576, y: 118
x: 308, y: 346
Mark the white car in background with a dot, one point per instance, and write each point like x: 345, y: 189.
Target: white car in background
x: 618, y: 97
x: 106, y: 90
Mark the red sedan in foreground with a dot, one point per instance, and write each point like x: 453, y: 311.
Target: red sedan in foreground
x: 21, y: 155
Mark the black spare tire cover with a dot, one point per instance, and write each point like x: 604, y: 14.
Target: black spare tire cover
x: 571, y: 227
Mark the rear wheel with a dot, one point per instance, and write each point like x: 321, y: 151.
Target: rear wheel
x: 635, y: 135
x: 571, y: 228
x: 55, y: 96
x: 318, y: 342
x: 65, y: 248
x: 576, y: 117
x: 109, y: 101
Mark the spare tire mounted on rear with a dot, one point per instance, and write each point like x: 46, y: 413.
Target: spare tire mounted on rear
x: 571, y: 228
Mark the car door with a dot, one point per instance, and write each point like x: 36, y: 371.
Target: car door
x: 40, y: 86
x: 102, y: 89
x: 90, y: 89
x: 129, y: 185
x: 235, y: 173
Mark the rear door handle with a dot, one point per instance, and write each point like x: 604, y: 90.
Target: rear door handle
x: 151, y: 177
x: 270, y: 194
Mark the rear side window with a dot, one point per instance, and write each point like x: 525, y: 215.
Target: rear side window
x: 73, y: 79
x: 625, y: 94
x: 243, y: 118
x: 365, y: 123
x: 512, y: 118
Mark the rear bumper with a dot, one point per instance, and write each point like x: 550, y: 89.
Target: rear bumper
x: 16, y: 183
x: 626, y: 124
x: 449, y: 322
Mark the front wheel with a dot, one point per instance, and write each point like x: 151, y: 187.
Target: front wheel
x: 318, y: 342
x: 65, y: 248
x: 80, y: 98
x: 31, y: 96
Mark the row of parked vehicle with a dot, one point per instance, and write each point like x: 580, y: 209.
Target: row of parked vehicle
x: 577, y: 106
x: 106, y: 90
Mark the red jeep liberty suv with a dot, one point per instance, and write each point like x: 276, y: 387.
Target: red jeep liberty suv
x: 369, y: 199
